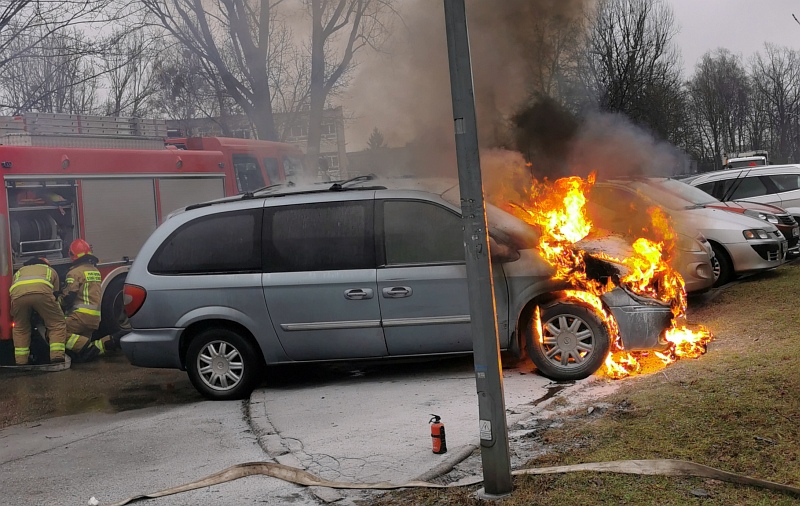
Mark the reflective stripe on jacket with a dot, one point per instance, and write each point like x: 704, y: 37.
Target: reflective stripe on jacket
x: 37, y: 278
x: 84, y: 280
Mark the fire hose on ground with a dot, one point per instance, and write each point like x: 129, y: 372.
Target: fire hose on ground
x: 656, y: 467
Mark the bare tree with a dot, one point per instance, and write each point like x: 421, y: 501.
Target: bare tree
x: 339, y: 29
x: 776, y: 80
x: 553, y: 48
x: 56, y: 74
x: 47, y: 62
x: 720, y: 93
x: 129, y: 66
x: 631, y: 64
x: 186, y: 88
x: 37, y: 20
x: 234, y: 38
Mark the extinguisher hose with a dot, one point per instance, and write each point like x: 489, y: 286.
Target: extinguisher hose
x: 661, y: 467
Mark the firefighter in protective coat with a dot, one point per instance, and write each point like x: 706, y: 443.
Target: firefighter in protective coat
x: 80, y: 299
x: 33, y: 290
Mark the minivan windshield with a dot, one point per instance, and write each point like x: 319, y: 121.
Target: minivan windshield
x: 501, y: 223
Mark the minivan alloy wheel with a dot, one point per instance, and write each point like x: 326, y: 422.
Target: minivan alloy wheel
x: 573, y: 342
x: 220, y: 366
x: 224, y: 364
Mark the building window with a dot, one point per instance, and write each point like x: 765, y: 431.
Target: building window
x: 333, y: 161
x: 298, y: 131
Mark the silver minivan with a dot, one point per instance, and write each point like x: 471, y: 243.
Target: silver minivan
x: 350, y: 270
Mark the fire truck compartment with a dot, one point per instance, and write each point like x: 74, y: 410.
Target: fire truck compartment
x: 42, y: 219
x: 114, y: 214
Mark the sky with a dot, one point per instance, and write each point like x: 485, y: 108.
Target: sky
x: 742, y: 26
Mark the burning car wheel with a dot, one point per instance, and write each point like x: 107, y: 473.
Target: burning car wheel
x: 222, y: 365
x: 574, y: 342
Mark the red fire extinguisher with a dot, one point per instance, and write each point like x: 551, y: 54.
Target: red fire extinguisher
x: 437, y: 435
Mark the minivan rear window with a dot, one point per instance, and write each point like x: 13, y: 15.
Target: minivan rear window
x: 216, y: 244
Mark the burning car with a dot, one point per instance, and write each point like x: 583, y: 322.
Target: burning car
x: 742, y: 244
x: 370, y: 269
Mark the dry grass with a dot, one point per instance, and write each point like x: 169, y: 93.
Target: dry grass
x: 737, y: 408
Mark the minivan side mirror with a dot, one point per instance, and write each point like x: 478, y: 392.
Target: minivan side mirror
x: 502, y: 252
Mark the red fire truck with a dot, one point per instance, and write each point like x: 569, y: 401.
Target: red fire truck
x: 110, y: 181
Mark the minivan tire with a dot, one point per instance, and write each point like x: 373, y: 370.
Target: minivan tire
x: 223, y: 365
x: 572, y: 324
x: 112, y: 309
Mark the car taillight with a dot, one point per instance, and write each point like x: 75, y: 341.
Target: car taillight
x: 133, y: 297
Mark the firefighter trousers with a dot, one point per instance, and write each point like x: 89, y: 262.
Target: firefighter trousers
x: 79, y: 345
x: 49, y: 310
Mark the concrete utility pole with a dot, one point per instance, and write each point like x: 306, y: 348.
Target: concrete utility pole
x: 485, y: 343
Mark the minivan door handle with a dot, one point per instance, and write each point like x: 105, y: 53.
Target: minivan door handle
x: 358, y: 293
x: 397, y: 292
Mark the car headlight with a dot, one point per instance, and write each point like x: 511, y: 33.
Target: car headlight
x: 755, y: 233
x: 686, y: 243
x: 762, y: 216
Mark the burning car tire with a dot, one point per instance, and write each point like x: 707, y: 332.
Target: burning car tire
x: 574, y: 342
x: 222, y: 365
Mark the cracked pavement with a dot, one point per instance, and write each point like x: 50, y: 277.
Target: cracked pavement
x: 370, y: 423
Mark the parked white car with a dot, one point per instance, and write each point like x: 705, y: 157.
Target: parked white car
x: 777, y: 185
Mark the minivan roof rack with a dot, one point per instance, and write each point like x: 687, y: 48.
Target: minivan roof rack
x: 339, y: 185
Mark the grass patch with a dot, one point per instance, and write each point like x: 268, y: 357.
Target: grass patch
x: 737, y: 408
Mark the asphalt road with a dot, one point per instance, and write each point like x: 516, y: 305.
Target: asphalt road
x: 111, y: 431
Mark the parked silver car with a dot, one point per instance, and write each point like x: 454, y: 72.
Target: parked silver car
x: 353, y: 270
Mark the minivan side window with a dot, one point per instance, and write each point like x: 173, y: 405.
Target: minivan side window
x: 325, y: 236
x: 215, y: 244
x: 421, y: 233
x: 786, y: 182
x: 248, y: 173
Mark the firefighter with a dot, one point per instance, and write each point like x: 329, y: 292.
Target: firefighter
x: 33, y: 290
x: 80, y: 299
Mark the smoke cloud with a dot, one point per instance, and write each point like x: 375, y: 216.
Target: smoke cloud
x: 406, y: 94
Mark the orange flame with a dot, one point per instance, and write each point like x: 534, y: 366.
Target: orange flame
x: 557, y: 209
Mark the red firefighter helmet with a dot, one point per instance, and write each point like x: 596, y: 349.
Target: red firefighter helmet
x: 79, y: 248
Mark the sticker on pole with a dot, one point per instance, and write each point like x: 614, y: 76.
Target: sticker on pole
x: 486, y: 430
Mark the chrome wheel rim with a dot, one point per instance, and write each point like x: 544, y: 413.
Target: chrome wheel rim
x: 567, y: 341
x: 220, y: 366
x: 716, y: 268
